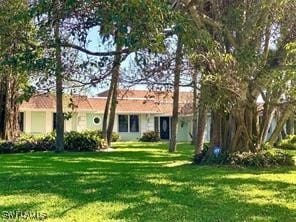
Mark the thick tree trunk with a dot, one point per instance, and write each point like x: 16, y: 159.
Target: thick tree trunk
x: 280, y: 125
x: 9, y: 108
x: 228, y: 126
x: 194, y: 108
x: 12, y: 110
x: 3, y: 93
x: 201, y: 129
x: 216, y: 134
x: 290, y: 125
x: 59, y: 79
x: 113, y: 105
x: 177, y: 73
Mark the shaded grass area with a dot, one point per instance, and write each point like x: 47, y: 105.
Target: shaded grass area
x: 143, y: 182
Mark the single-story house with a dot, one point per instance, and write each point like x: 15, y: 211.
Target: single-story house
x: 137, y: 111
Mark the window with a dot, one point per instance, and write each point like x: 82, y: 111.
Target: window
x: 21, y: 121
x: 128, y: 123
x: 123, y: 123
x: 134, y: 123
x: 97, y: 120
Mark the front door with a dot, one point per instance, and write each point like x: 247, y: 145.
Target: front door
x: 164, y: 128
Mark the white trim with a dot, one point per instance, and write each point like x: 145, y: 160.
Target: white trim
x: 100, y: 120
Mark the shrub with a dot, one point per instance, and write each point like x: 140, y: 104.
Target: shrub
x: 198, y: 158
x: 289, y: 143
x: 99, y: 133
x: 264, y: 158
x: 39, y: 142
x: 115, y: 137
x: 6, y: 147
x: 150, y: 136
x: 75, y: 141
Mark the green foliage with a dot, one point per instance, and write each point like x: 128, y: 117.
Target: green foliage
x: 139, y: 182
x: 150, y: 136
x: 261, y: 159
x: 75, y: 141
x: 7, y: 147
x: 289, y: 143
x: 99, y: 133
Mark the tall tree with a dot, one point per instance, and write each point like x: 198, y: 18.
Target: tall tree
x: 57, y: 7
x: 16, y: 57
x: 177, y: 74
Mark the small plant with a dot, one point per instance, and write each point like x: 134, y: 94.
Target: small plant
x: 99, y: 133
x: 75, y: 141
x: 150, y: 136
x: 288, y: 144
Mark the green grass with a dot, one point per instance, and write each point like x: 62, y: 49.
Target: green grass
x: 142, y: 182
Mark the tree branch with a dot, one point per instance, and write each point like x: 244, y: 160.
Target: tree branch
x: 111, y: 53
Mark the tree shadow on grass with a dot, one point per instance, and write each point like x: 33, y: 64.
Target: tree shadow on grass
x: 142, y: 181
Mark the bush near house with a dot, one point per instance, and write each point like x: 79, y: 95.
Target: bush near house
x: 150, y: 136
x: 264, y: 158
x: 289, y: 143
x: 74, y: 141
x: 99, y: 133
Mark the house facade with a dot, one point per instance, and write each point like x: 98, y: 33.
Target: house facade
x: 137, y: 111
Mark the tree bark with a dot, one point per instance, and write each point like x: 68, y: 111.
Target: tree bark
x: 194, y: 108
x: 9, y: 108
x: 268, y: 114
x: 216, y: 135
x: 106, y: 113
x: 280, y: 125
x: 177, y: 73
x: 12, y: 110
x: 3, y: 93
x: 201, y: 129
x: 290, y: 125
x: 113, y: 104
x: 112, y: 96
x: 59, y: 79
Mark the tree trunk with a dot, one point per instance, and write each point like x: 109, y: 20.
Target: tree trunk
x: 201, y: 129
x: 12, y: 109
x: 9, y: 108
x: 268, y: 114
x: 216, y: 135
x: 3, y: 93
x: 59, y: 79
x: 194, y: 108
x: 106, y: 112
x: 113, y: 105
x: 177, y: 73
x: 290, y: 125
x: 280, y: 124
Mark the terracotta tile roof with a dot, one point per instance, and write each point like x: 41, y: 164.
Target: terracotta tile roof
x: 159, y: 96
x: 126, y: 105
x: 135, y: 104
x: 48, y: 101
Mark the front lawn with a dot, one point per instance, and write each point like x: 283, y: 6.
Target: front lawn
x: 142, y: 182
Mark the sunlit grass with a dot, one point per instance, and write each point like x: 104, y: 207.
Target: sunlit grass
x: 143, y: 182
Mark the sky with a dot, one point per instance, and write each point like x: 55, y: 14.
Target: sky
x: 95, y: 44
